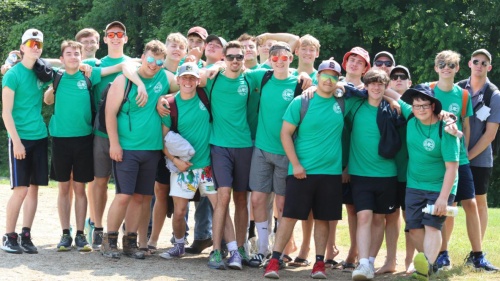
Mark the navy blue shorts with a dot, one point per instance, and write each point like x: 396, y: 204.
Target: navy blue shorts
x: 416, y: 200
x: 231, y: 167
x: 136, y: 173
x: 465, y: 188
x: 34, y: 169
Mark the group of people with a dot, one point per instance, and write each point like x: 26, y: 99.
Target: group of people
x: 295, y: 144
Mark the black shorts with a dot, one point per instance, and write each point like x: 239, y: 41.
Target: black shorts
x: 374, y: 193
x: 481, y: 176
x: 136, y: 172
x: 34, y: 169
x: 320, y: 193
x: 162, y: 173
x: 347, y: 194
x: 416, y: 200
x: 72, y: 154
x: 231, y: 167
x: 465, y: 187
x: 401, y: 194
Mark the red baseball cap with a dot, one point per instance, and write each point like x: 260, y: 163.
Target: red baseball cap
x: 360, y: 52
x: 200, y: 31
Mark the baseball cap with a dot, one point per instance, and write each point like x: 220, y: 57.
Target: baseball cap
x: 188, y: 68
x: 221, y: 40
x: 329, y: 64
x: 425, y: 90
x: 482, y: 51
x: 116, y: 23
x: 32, y: 34
x: 384, y: 54
x: 401, y: 68
x: 360, y: 52
x: 198, y: 30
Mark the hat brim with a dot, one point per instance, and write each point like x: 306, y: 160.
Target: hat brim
x: 408, y: 95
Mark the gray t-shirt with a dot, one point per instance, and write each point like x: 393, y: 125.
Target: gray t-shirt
x: 485, y: 158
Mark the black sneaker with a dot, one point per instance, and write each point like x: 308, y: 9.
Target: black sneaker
x: 10, y: 245
x: 482, y: 264
x: 81, y: 243
x: 97, y: 240
x: 65, y: 243
x: 469, y: 261
x: 26, y: 244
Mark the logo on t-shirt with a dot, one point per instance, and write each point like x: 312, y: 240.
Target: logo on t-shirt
x: 39, y: 84
x: 202, y: 106
x: 337, y: 109
x: 454, y: 108
x: 81, y: 85
x: 287, y: 94
x: 158, y: 87
x: 429, y: 144
x: 243, y: 90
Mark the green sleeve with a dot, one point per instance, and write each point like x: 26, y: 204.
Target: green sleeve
x: 167, y: 121
x: 405, y: 108
x: 95, y: 77
x: 450, y: 147
x: 292, y: 114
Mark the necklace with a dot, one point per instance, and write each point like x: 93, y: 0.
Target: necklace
x: 422, y: 129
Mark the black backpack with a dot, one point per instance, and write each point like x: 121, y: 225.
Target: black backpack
x: 55, y: 83
x: 101, y: 114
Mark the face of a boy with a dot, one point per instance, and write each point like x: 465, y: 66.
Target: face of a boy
x: 400, y: 85
x: 356, y: 65
x: 446, y: 69
x: 71, y: 58
x: 195, y: 41
x: 90, y: 45
x: 250, y: 49
x: 376, y: 90
x: 175, y: 51
x: 115, y: 43
x: 307, y: 54
x: 477, y: 65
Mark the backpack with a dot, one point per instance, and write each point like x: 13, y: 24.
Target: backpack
x: 174, y: 112
x: 465, y: 98
x: 488, y: 92
x: 101, y: 114
x: 57, y: 78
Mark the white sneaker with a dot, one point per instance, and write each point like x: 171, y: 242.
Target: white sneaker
x: 363, y: 272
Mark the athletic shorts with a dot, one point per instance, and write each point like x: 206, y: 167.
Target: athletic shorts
x: 102, y: 161
x: 162, y: 173
x: 72, y: 154
x: 481, y: 176
x: 320, y: 193
x: 231, y: 166
x: 136, y: 172
x: 416, y: 200
x: 465, y: 187
x: 34, y: 169
x: 185, y: 184
x: 400, y: 197
x: 268, y: 172
x: 347, y: 194
x: 374, y: 193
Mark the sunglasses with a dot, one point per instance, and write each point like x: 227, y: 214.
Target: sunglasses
x: 31, y: 43
x: 118, y: 34
x: 443, y: 64
x: 325, y: 77
x: 151, y: 60
x: 232, y: 57
x: 379, y: 63
x: 276, y: 58
x: 422, y: 106
x: 400, y: 76
x: 483, y: 63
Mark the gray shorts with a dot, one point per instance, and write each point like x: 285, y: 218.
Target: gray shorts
x: 102, y: 161
x: 415, y: 201
x: 136, y: 173
x: 231, y: 167
x: 268, y: 172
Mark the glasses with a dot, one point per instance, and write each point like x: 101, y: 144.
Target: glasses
x: 118, y: 34
x: 421, y: 106
x: 232, y: 57
x: 151, y: 60
x: 332, y: 78
x: 89, y: 42
x: 276, y: 58
x: 379, y: 63
x: 400, y: 76
x: 31, y: 43
x: 483, y: 63
x: 442, y: 64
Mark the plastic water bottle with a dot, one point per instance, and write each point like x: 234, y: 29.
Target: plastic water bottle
x: 11, y: 59
x: 339, y: 93
x: 451, y: 211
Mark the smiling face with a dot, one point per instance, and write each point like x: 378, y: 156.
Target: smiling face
x: 250, y: 50
x: 234, y: 65
x: 115, y: 43
x: 280, y: 61
x: 176, y: 50
x: 356, y: 65
x: 71, y: 58
x: 422, y: 109
x: 90, y: 45
x: 307, y: 53
x: 187, y: 83
x: 149, y: 69
x: 327, y: 80
x: 195, y: 41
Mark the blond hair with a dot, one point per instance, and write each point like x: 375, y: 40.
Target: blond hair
x: 448, y: 56
x: 71, y: 44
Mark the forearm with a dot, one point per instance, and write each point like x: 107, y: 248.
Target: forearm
x: 289, y: 148
x: 48, y: 96
x: 10, y: 126
x: 449, y: 179
x: 484, y: 141
x: 112, y: 129
x: 130, y: 71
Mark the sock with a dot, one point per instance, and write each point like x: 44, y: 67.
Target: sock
x: 263, y: 236
x: 275, y: 224
x: 251, y: 230
x: 276, y: 255
x: 179, y: 240
x: 26, y: 229
x: 232, y: 246
x: 99, y: 229
x: 364, y: 262
x: 477, y: 255
x: 78, y: 232
x: 66, y: 231
x: 320, y: 258
x: 442, y: 252
x: 371, y: 260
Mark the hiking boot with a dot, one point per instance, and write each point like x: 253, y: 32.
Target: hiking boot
x: 422, y: 267
x: 81, y: 243
x: 482, y: 264
x: 26, y: 243
x: 96, y: 240
x: 443, y: 261
x: 215, y: 260
x: 199, y: 245
x: 109, y: 246
x: 9, y: 243
x: 65, y: 243
x: 318, y: 271
x: 130, y: 246
x: 257, y: 260
x: 244, y: 257
x: 89, y: 230
x: 235, y: 260
x: 175, y: 252
x: 272, y: 269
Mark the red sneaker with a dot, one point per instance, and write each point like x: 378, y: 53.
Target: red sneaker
x: 273, y: 268
x: 318, y: 271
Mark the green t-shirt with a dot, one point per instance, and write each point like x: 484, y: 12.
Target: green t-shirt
x: 229, y: 110
x: 27, y: 107
x: 364, y: 159
x: 69, y: 120
x: 255, y: 76
x: 452, y: 102
x: 139, y: 128
x: 193, y: 125
x: 428, y: 154
x: 318, y: 144
x: 312, y: 75
x: 99, y: 87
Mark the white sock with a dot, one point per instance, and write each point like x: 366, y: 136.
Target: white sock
x: 372, y: 260
x: 232, y: 246
x: 364, y: 262
x: 179, y: 240
x: 262, y: 231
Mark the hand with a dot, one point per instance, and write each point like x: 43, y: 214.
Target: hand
x: 306, y: 81
x: 211, y: 73
x: 340, y: 85
x: 299, y: 172
x: 87, y: 69
x: 440, y: 207
x: 116, y: 152
x: 162, y: 106
x: 309, y: 92
x: 196, y: 52
x: 142, y: 96
x: 443, y: 115
x: 190, y: 58
x: 181, y: 164
x: 395, y: 106
x: 346, y: 178
x: 19, y: 151
x: 5, y: 67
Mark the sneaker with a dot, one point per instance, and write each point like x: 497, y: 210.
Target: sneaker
x: 282, y: 264
x: 272, y: 269
x: 482, y: 264
x: 363, y: 272
x: 235, y: 260
x: 257, y: 260
x: 65, y: 243
x: 244, y: 257
x: 422, y: 267
x: 468, y: 261
x: 81, y: 243
x: 26, y: 243
x: 443, y: 261
x: 10, y: 245
x: 318, y: 271
x: 175, y: 252
x: 109, y: 246
x: 89, y: 230
x: 215, y: 260
x: 96, y: 240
